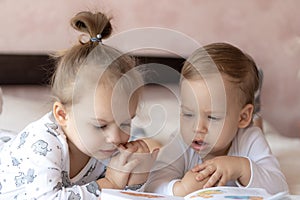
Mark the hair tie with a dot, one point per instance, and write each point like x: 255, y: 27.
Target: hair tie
x: 98, y: 38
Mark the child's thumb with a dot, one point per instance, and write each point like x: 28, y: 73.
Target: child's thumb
x: 154, y: 153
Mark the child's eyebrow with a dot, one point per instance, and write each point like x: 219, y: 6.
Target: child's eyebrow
x: 105, y: 121
x: 185, y: 107
x: 100, y: 120
x: 214, y: 112
x: 205, y: 111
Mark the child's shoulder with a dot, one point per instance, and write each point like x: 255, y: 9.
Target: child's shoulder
x: 246, y: 139
x: 42, y: 132
x: 250, y: 133
x: 46, y: 124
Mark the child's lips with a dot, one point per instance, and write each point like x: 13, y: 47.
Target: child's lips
x: 199, y: 145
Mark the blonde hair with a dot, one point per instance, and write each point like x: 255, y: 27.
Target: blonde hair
x: 230, y: 61
x: 92, y: 57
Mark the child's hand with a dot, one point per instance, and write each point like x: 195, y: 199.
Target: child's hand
x: 188, y: 184
x: 140, y: 174
x: 222, y: 169
x: 120, y: 167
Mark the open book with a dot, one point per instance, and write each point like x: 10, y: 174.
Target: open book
x: 225, y: 193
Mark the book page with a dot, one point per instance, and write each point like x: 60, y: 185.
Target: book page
x: 215, y: 193
x: 228, y: 193
x: 111, y: 194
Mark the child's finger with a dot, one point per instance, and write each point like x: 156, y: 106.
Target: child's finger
x: 205, y: 173
x: 129, y: 166
x: 144, y: 146
x: 200, y: 176
x: 131, y: 147
x: 222, y: 181
x: 121, y: 147
x: 128, y: 144
x: 124, y: 156
x: 154, y: 153
x: 213, y: 180
x: 198, y: 168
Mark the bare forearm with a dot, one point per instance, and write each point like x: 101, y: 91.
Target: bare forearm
x: 179, y: 189
x: 184, y: 187
x: 105, y: 183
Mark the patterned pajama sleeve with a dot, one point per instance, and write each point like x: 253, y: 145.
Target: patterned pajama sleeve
x: 35, y: 166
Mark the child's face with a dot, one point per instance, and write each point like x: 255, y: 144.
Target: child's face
x: 95, y: 127
x: 209, y: 119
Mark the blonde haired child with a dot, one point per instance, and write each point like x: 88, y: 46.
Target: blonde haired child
x: 64, y: 154
x: 219, y: 145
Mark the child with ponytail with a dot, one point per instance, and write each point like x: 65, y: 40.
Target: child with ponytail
x: 81, y: 146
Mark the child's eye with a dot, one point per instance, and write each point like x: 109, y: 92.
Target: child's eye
x: 99, y: 126
x: 188, y: 115
x: 213, y: 118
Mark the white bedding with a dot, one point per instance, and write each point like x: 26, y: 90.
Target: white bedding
x: 287, y: 151
x: 23, y: 104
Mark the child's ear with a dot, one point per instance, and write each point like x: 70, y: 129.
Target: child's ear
x: 246, y: 116
x: 60, y: 114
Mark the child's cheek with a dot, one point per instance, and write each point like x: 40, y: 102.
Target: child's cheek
x: 187, y: 133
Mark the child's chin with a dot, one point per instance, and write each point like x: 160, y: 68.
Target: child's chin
x: 203, y: 152
x: 102, y: 156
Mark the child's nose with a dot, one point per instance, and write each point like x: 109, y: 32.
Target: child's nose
x: 116, y: 136
x: 201, y: 126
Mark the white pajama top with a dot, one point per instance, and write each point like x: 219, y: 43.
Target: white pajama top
x: 35, y: 165
x: 176, y: 159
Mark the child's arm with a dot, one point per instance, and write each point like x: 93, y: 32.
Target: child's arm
x: 222, y: 169
x: 37, y: 163
x: 171, y: 166
x: 188, y: 184
x: 130, y: 167
x: 139, y: 175
x: 119, y: 169
x: 263, y: 166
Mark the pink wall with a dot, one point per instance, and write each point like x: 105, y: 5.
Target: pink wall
x: 267, y: 30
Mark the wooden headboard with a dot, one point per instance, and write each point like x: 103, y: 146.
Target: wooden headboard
x: 38, y: 68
